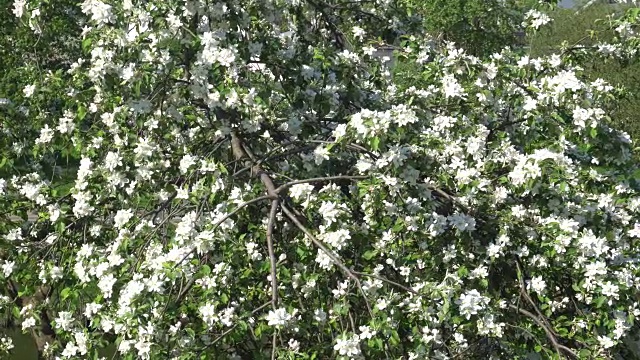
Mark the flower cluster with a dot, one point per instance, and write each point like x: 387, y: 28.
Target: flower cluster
x: 246, y: 179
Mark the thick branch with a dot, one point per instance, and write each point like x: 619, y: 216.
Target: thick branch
x: 240, y: 152
x: 540, y: 320
x: 272, y: 265
x: 556, y: 345
x: 272, y: 256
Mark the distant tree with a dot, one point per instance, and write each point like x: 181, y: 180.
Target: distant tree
x: 589, y: 27
x: 481, y: 27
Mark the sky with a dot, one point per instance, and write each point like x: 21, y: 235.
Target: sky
x: 566, y: 3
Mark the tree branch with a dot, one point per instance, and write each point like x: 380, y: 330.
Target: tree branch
x: 391, y: 282
x: 329, y: 253
x: 272, y: 256
x: 275, y: 156
x: 540, y: 320
x: 226, y: 332
x: 319, y: 179
x: 189, y: 285
x: 556, y: 345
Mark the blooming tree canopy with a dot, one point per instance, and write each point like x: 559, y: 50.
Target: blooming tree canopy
x: 250, y: 181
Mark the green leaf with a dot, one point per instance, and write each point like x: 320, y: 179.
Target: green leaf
x: 65, y: 293
x: 82, y: 112
x: 463, y: 271
x: 370, y: 254
x: 445, y: 309
x: 377, y: 344
x: 206, y: 270
x: 395, y: 339
x: 302, y: 253
x: 374, y: 143
x: 584, y: 354
x: 86, y: 43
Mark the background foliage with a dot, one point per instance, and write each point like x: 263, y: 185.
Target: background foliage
x: 589, y: 27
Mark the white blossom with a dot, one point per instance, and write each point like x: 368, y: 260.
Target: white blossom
x: 278, y: 317
x: 471, y: 303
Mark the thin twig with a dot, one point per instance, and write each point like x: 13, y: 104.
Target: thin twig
x: 349, y: 145
x: 274, y: 343
x: 226, y: 332
x: 224, y: 218
x: 273, y: 157
x: 525, y: 294
x: 352, y: 322
x: 383, y: 279
x: 236, y: 210
x: 320, y: 179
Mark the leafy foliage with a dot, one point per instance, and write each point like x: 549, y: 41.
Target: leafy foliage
x: 480, y: 27
x: 589, y: 27
x: 251, y: 183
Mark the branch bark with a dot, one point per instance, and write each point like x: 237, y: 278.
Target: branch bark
x: 559, y: 348
x: 240, y: 153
